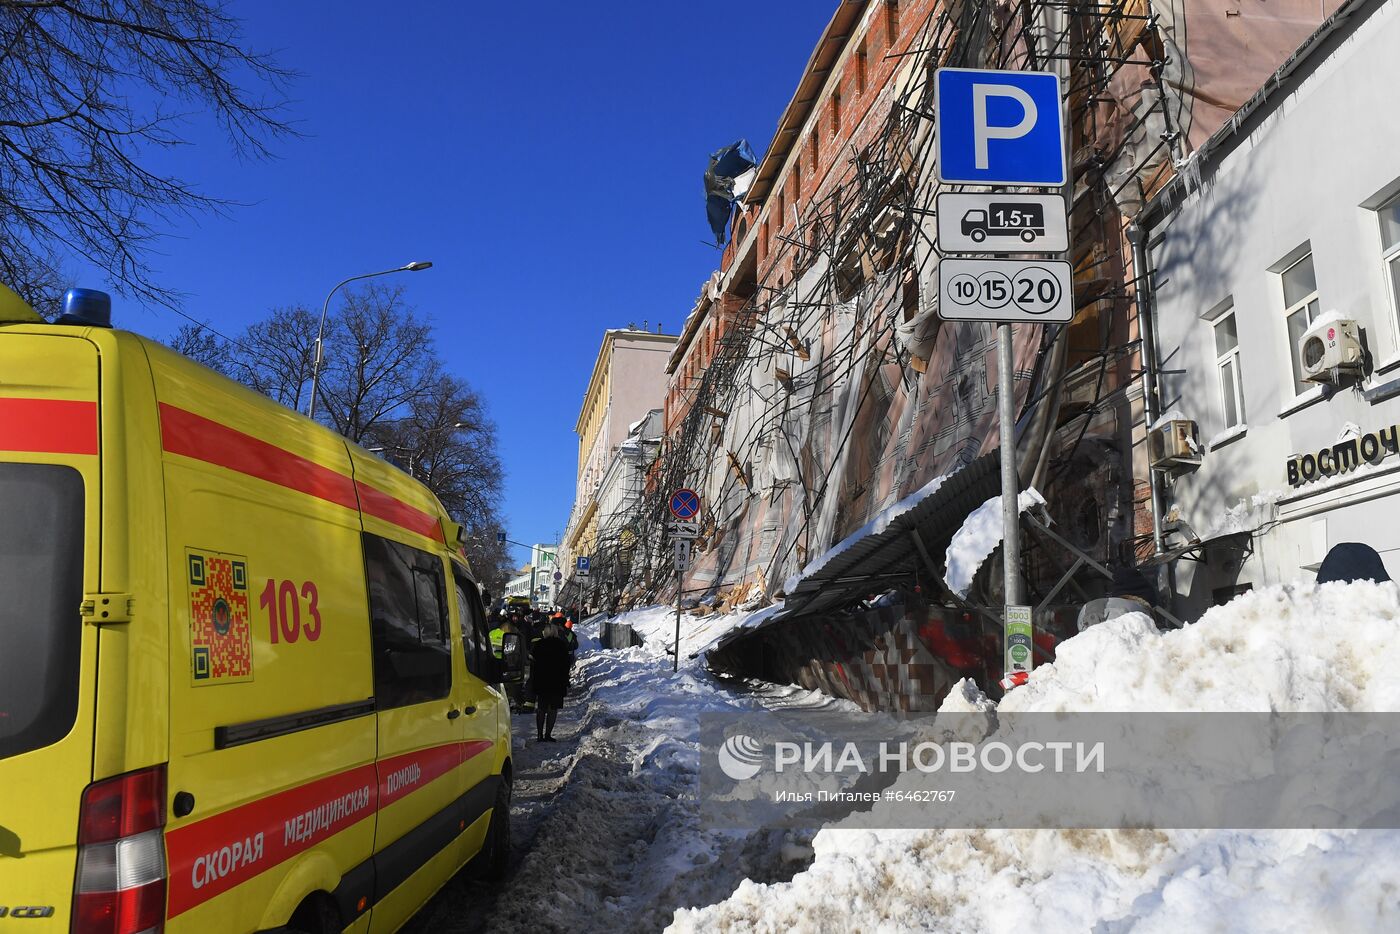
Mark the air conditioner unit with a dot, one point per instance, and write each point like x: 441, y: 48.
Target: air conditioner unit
x: 1330, y: 348
x: 1174, y: 443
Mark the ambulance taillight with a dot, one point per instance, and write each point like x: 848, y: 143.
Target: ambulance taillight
x: 120, y: 886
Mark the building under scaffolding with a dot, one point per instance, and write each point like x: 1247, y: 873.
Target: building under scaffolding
x: 814, y: 384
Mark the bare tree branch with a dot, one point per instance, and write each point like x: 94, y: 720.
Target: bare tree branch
x: 83, y: 86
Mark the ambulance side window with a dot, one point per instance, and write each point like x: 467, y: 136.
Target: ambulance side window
x: 475, y: 638
x: 407, y: 601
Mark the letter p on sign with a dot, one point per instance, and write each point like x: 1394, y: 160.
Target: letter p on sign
x: 999, y: 127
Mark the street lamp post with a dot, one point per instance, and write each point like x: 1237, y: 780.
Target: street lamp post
x: 321, y: 328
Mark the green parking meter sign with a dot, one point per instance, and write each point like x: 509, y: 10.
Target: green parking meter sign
x: 1019, y: 647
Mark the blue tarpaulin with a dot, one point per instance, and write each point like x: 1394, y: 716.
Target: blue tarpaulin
x: 727, y: 180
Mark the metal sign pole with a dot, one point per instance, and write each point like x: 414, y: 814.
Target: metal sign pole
x: 1010, y: 485
x: 676, y: 662
x: 1031, y: 153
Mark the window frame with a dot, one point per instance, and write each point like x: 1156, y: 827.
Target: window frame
x: 1231, y: 356
x: 408, y: 690
x: 474, y: 620
x: 1304, y: 305
x: 43, y: 653
x: 1390, y: 262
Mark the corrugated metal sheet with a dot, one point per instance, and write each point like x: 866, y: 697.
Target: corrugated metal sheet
x: 877, y: 562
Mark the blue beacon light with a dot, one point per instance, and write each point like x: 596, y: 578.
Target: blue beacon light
x: 86, y: 307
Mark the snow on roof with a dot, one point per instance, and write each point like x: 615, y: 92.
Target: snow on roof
x: 875, y: 526
x: 978, y: 537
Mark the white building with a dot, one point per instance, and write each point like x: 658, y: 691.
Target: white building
x: 543, y: 586
x: 536, y: 579
x: 1289, y: 214
x: 521, y: 584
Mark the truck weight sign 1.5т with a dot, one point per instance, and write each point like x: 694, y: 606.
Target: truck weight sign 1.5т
x: 1002, y: 223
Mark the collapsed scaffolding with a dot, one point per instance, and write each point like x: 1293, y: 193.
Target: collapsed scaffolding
x: 825, y: 372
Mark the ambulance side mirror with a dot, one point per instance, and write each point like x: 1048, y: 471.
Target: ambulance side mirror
x: 512, y: 657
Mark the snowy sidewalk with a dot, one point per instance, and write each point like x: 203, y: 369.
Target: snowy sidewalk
x: 605, y: 821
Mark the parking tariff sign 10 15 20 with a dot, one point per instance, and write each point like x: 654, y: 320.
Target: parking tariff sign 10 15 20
x: 1005, y: 290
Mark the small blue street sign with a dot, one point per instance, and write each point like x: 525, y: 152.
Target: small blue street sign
x: 685, y: 504
x: 500, y: 538
x: 999, y: 127
x: 582, y: 563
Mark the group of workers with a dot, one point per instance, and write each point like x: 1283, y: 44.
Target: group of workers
x: 551, y: 646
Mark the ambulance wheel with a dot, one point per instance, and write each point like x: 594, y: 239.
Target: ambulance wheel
x: 495, y: 855
x: 316, y: 915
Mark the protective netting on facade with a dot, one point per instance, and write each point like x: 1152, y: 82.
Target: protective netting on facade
x: 833, y: 387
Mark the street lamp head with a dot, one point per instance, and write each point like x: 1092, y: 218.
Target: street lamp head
x: 415, y: 267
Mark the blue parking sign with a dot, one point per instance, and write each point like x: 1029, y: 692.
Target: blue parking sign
x: 999, y: 127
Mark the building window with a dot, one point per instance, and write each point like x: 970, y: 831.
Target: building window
x: 1300, y: 308
x: 860, y: 69
x: 835, y: 113
x: 1227, y: 365
x: 1389, y: 214
x: 891, y: 21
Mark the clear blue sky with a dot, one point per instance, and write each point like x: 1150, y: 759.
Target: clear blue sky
x: 546, y: 157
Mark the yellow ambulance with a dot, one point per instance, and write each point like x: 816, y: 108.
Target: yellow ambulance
x: 246, y: 682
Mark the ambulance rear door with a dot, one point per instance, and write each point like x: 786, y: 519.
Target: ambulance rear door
x: 50, y: 462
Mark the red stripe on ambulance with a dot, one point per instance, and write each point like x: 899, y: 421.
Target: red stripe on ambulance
x: 204, y: 439
x: 48, y: 426
x: 383, y: 506
x: 211, y: 856
x: 405, y: 774
x: 191, y: 435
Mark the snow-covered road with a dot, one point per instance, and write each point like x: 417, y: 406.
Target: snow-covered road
x: 605, y: 821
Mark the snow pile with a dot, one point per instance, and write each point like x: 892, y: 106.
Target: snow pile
x: 1295, y: 648
x: 699, y: 633
x: 978, y: 537
x: 875, y: 526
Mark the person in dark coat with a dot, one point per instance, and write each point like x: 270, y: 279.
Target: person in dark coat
x: 1352, y: 561
x: 549, y: 673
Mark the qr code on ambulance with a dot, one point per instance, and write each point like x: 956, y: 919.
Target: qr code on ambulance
x: 221, y: 638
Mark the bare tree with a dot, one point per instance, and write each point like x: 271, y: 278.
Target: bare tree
x: 450, y: 444
x: 447, y: 440
x: 204, y: 346
x: 88, y: 89
x: 490, y: 558
x: 275, y: 356
x: 383, y: 386
x: 381, y: 363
